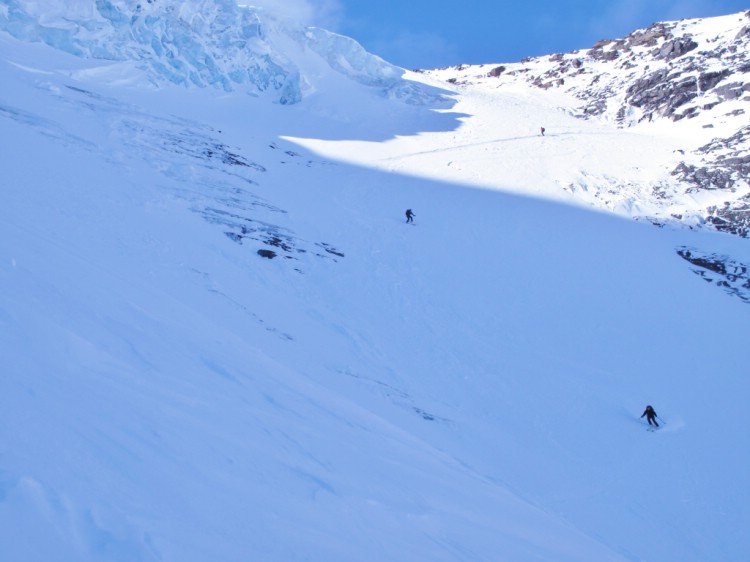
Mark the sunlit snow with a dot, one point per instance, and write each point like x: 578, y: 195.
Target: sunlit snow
x: 220, y: 340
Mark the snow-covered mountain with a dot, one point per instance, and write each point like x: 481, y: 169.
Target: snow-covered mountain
x: 688, y: 80
x: 204, y: 43
x: 220, y: 341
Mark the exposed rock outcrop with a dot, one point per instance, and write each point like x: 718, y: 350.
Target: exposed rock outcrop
x: 689, y: 71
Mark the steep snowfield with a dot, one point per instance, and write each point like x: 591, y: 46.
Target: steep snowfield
x: 679, y: 89
x: 500, y: 129
x: 466, y: 388
x: 581, y: 162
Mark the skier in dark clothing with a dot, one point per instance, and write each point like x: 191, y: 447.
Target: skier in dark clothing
x: 650, y: 416
x: 543, y: 129
x: 409, y: 215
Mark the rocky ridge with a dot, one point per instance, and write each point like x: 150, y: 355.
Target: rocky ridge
x: 692, y: 72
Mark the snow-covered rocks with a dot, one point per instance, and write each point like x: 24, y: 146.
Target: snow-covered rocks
x: 688, y: 80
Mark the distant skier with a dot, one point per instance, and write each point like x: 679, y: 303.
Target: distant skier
x: 543, y: 129
x: 409, y: 215
x: 650, y: 416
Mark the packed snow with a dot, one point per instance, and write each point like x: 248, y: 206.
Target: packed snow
x: 221, y: 341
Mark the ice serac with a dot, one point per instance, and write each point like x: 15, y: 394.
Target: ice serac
x: 200, y: 43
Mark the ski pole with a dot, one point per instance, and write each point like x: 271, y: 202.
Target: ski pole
x: 661, y: 420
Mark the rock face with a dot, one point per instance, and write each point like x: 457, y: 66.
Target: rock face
x: 723, y: 271
x: 692, y: 72
x: 665, y: 72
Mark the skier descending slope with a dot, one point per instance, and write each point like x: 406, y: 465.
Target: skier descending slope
x: 409, y: 215
x: 650, y: 416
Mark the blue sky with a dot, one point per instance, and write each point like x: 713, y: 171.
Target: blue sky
x: 437, y: 33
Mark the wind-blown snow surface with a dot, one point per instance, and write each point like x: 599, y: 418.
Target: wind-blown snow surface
x: 467, y: 388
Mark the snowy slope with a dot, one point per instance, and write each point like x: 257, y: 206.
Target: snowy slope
x: 679, y: 93
x: 467, y: 388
